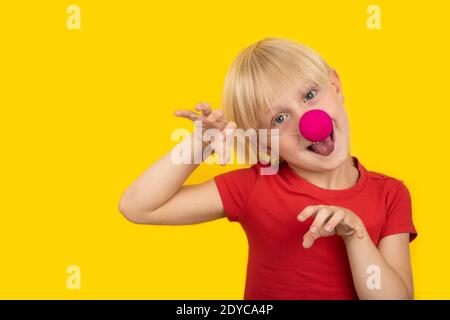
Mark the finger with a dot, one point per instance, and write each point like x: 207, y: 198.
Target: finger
x: 309, y: 238
x: 228, y: 130
x: 308, y: 211
x: 213, y: 144
x: 191, y: 115
x: 227, y: 138
x: 219, y: 149
x: 314, y: 231
x: 337, y: 217
x: 354, y: 225
x: 204, y: 107
x: 321, y: 216
x: 216, y: 120
x: 215, y: 116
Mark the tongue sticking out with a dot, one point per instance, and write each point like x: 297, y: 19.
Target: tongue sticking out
x: 324, y: 147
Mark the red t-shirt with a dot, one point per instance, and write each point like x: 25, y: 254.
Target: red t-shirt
x: 267, y: 206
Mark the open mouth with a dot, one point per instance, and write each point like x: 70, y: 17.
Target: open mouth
x: 325, y: 147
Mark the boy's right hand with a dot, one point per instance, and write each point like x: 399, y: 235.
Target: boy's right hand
x: 211, y: 119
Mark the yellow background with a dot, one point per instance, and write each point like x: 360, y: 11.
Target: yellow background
x: 84, y: 112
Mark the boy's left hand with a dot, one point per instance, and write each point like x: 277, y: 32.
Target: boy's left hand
x: 330, y: 220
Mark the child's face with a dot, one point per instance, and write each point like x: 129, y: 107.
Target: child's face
x: 293, y: 147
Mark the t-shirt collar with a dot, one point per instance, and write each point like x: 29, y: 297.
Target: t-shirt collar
x: 302, y: 184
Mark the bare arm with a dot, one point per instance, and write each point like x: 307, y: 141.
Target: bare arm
x: 392, y: 259
x: 158, y: 195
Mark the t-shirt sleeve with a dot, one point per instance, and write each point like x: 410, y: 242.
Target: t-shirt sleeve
x: 235, y: 188
x: 399, y: 212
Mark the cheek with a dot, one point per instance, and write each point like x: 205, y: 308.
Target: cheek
x: 332, y: 103
x: 291, y: 149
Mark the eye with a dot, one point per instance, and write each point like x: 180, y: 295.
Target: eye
x: 279, y: 119
x: 309, y: 95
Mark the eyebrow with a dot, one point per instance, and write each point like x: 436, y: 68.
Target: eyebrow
x: 278, y: 109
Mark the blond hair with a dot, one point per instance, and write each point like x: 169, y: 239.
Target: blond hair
x: 264, y: 71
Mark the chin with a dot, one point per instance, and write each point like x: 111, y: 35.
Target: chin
x: 331, y: 162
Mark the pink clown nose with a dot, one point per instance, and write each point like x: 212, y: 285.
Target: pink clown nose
x: 315, y: 125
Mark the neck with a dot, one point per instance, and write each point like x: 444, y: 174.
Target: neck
x: 343, y: 177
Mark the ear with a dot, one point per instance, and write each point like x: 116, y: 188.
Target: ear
x: 336, y: 84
